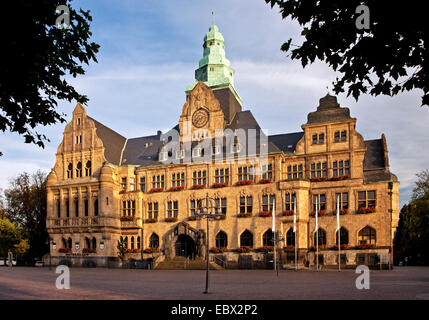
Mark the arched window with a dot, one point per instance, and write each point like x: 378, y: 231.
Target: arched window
x: 126, y: 242
x: 290, y: 237
x: 64, y: 243
x: 246, y: 239
x: 267, y: 238
x: 367, y: 236
x: 344, y: 236
x: 87, y: 243
x: 79, y: 170
x: 132, y: 242
x: 322, y: 237
x: 88, y: 168
x: 96, y: 207
x: 138, y: 242
x: 94, y: 243
x: 221, y: 240
x: 69, y: 243
x: 154, y: 241
x: 70, y: 171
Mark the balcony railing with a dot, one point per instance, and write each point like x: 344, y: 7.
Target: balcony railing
x: 78, y: 221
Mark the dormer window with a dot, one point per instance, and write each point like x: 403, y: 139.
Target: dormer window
x: 78, y: 121
x: 196, y: 152
x: 236, y: 147
x: 163, y: 156
x: 79, y: 139
x: 216, y: 149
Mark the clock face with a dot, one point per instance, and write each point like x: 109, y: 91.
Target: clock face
x: 200, y: 118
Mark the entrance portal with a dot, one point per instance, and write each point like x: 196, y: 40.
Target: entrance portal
x: 185, y: 246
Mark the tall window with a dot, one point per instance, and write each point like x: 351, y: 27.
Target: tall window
x: 319, y: 169
x: 290, y: 237
x: 199, y: 177
x: 70, y: 171
x: 221, y: 204
x: 245, y: 173
x: 267, y: 238
x: 59, y: 208
x: 367, y: 199
x: 154, y: 241
x: 158, y: 181
x: 367, y: 236
x: 344, y: 200
x: 76, y: 207
x: 132, y: 242
x: 290, y: 201
x: 246, y: 204
x: 96, y: 207
x: 172, y: 209
x: 341, y: 168
x: 138, y: 242
x: 322, y: 237
x: 124, y: 183
x: 67, y: 208
x: 126, y: 242
x: 267, y: 202
x: 246, y: 239
x: 94, y: 243
x: 344, y: 135
x: 267, y: 171
x: 178, y: 179
x: 152, y: 210
x: 344, y: 236
x: 221, y: 240
x: 79, y: 169
x: 88, y: 168
x: 142, y: 184
x: 321, y: 202
x: 86, y: 207
x: 222, y: 175
x: 295, y: 172
x: 129, y: 208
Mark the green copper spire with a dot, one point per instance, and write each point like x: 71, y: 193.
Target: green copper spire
x: 214, y: 68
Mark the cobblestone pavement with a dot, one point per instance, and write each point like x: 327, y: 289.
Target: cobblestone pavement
x: 39, y: 283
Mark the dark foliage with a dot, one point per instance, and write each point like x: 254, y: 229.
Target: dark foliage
x: 36, y: 58
x: 390, y: 57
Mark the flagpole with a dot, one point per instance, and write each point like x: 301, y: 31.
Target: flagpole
x: 273, y: 228
x: 338, y: 230
x: 294, y: 231
x: 317, y: 240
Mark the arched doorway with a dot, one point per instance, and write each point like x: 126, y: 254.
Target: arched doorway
x: 185, y: 246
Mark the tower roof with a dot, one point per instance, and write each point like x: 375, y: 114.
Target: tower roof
x: 214, y: 68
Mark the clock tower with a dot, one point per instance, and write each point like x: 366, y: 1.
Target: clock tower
x: 214, y: 84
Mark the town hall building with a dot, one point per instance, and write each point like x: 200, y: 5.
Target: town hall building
x: 106, y: 189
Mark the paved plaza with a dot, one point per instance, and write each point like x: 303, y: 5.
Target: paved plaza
x: 39, y: 283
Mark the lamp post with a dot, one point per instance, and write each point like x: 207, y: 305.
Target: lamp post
x: 207, y: 208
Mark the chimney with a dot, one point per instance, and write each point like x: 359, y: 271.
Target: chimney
x: 159, y: 132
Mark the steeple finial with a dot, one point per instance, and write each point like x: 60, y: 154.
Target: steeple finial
x: 213, y: 20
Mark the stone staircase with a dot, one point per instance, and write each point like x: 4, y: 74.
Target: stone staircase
x: 182, y: 263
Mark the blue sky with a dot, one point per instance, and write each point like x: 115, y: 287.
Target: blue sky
x: 150, y: 49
